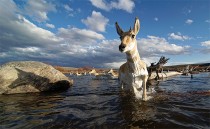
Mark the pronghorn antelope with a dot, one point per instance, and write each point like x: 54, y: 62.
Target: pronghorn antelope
x: 111, y: 72
x: 93, y: 72
x: 134, y: 72
x: 158, y: 67
x: 78, y: 74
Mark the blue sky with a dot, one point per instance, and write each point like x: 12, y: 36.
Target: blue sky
x: 82, y: 33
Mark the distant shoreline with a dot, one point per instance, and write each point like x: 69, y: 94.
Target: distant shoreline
x: 201, y: 66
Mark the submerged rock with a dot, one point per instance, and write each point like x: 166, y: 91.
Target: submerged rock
x: 31, y: 76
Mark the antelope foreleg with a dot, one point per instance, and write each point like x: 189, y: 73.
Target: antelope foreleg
x: 144, y: 97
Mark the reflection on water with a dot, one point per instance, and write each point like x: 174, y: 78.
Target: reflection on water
x: 179, y: 102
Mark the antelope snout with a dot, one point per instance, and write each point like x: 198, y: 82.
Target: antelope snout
x: 121, y: 47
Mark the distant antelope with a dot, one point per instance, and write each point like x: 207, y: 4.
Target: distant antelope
x: 134, y: 72
x: 112, y: 74
x: 93, y: 72
x: 78, y: 74
x: 158, y: 67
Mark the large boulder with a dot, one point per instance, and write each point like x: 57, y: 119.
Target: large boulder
x: 31, y: 76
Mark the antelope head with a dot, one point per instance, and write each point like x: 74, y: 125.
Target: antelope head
x: 128, y: 39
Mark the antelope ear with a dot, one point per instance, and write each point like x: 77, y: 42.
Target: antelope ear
x: 136, y: 27
x: 119, y: 30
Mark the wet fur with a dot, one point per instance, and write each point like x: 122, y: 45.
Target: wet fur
x: 134, y: 72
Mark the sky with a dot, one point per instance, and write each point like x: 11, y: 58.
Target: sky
x: 80, y: 33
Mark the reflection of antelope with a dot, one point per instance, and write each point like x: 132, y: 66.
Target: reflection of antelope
x: 134, y: 72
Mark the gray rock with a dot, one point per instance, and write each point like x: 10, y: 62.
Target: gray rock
x: 31, y: 76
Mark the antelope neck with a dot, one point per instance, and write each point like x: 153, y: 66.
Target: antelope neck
x: 133, y: 59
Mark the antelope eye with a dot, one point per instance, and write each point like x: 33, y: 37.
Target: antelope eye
x: 133, y: 36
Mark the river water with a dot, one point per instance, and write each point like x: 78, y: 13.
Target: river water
x: 179, y: 102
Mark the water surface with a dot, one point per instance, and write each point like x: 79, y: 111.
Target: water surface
x: 179, y: 102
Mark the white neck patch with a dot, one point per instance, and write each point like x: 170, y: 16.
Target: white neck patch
x: 130, y: 46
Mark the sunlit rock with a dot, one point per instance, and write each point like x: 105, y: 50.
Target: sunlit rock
x: 31, y: 76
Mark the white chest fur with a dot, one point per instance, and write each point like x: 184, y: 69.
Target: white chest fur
x: 133, y: 75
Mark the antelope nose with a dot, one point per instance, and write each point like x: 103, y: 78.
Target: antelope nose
x: 121, y: 47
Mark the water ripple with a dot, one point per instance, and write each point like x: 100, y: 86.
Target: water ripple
x: 179, y: 102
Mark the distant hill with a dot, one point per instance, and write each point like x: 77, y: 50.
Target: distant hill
x: 197, y: 66
x: 72, y: 68
x: 183, y: 65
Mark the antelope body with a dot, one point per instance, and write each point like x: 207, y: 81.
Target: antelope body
x: 133, y: 73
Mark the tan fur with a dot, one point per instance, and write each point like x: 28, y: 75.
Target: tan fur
x: 134, y: 72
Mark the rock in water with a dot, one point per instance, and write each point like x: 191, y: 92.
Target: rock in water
x: 31, y: 76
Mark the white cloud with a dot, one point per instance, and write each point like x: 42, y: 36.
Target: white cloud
x: 96, y: 22
x: 38, y: 9
x: 189, y: 21
x: 50, y: 25
x: 178, y: 36
x: 156, y: 46
x: 31, y: 29
x: 114, y: 64
x: 71, y: 12
x: 8, y: 9
x: 3, y: 55
x: 23, y: 32
x: 156, y: 19
x: 79, y: 36
x: 100, y: 4
x: 67, y: 8
x: 27, y: 49
x: 206, y: 44
x: 126, y: 5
